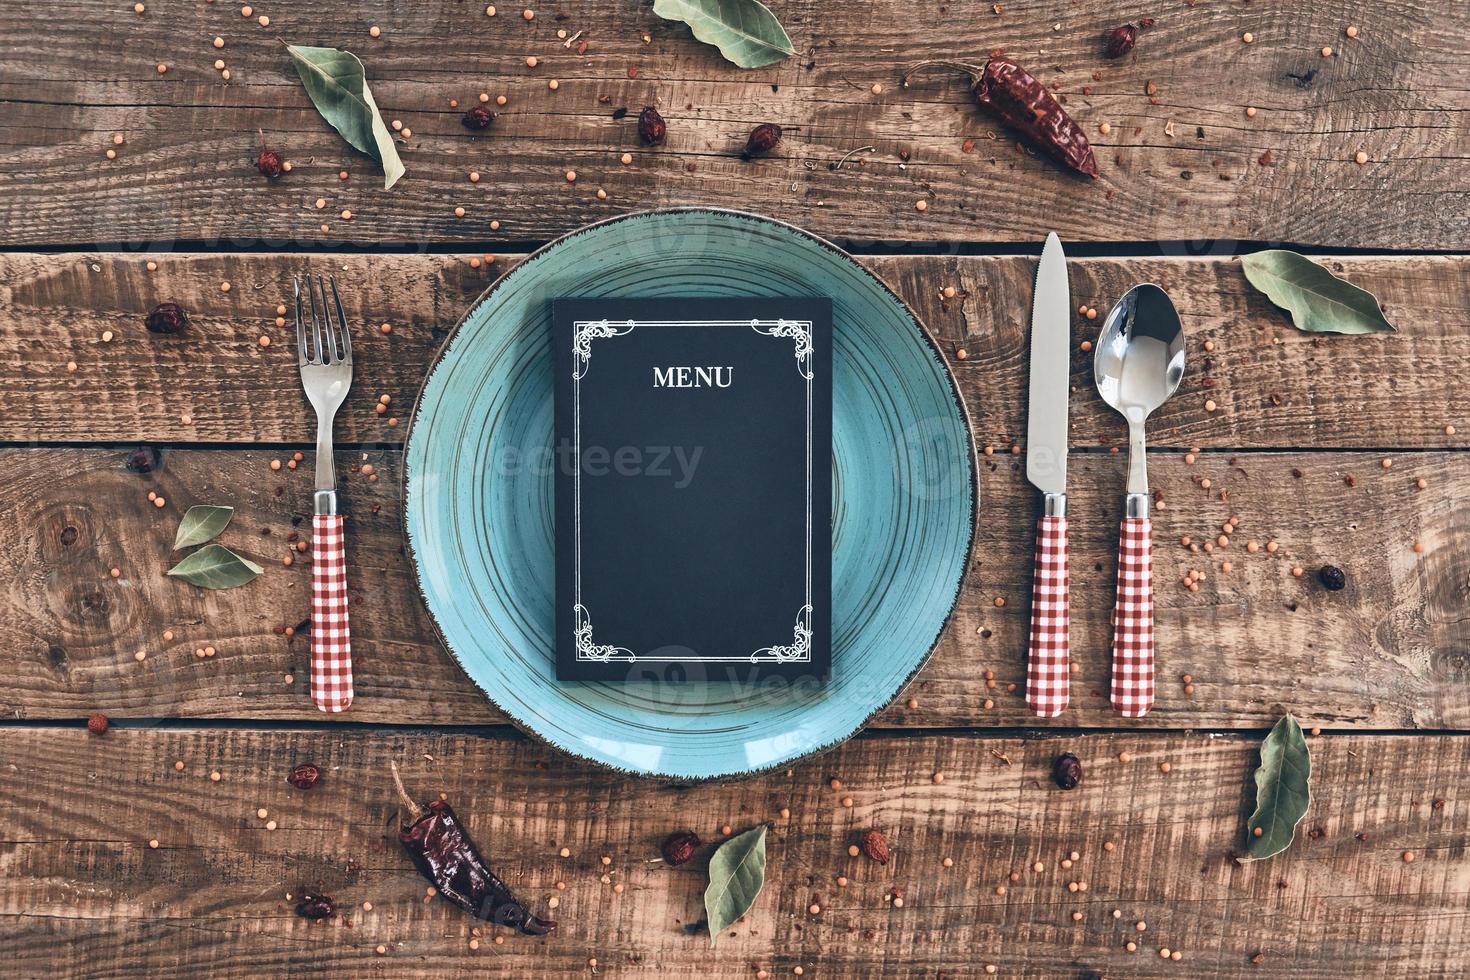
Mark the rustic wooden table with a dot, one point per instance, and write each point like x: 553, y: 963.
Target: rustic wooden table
x: 1299, y: 448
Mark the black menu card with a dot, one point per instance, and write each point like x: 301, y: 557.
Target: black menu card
x: 693, y: 489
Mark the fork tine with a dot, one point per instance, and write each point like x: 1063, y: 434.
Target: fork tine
x: 328, y: 326
x: 316, y: 322
x: 342, y: 321
x: 301, y: 358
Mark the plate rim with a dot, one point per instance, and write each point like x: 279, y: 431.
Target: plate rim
x: 437, y: 360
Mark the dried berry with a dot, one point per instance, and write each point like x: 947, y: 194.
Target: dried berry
x: 680, y: 847
x: 1067, y: 770
x: 97, y: 724
x: 315, y: 906
x: 144, y: 459
x: 875, y: 846
x: 763, y: 139
x: 304, y: 776
x: 1331, y: 577
x: 1121, y: 40
x: 478, y: 117
x: 167, y: 318
x: 270, y: 164
x: 651, y: 128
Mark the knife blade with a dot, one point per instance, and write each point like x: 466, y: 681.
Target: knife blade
x: 1051, y: 339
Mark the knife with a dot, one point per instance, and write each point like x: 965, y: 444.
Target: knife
x: 1047, y: 667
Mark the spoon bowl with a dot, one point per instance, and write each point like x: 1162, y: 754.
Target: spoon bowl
x: 1139, y: 358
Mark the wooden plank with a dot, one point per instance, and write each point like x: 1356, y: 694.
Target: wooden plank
x: 1274, y: 386
x: 1386, y: 652
x: 85, y: 894
x: 1184, y: 164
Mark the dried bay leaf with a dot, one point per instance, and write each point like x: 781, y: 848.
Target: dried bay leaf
x: 1318, y: 301
x: 736, y: 873
x: 337, y: 83
x: 201, y: 523
x: 745, y: 31
x: 216, y: 567
x: 1282, y: 791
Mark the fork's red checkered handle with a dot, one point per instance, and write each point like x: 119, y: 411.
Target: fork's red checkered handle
x: 1047, y: 667
x: 331, y: 641
x: 1133, y: 621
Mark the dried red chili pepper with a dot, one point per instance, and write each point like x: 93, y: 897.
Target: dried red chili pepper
x: 441, y: 849
x: 1015, y: 97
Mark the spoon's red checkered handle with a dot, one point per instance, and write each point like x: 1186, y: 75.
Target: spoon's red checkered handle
x: 1133, y: 621
x: 1047, y: 667
x: 331, y: 641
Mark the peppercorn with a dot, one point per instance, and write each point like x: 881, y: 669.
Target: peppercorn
x: 269, y: 164
x: 478, y: 117
x: 315, y: 906
x: 1067, y: 770
x: 651, y: 127
x: 875, y: 846
x: 144, y: 459
x: 1121, y: 40
x: 1331, y: 577
x: 167, y: 318
x: 304, y: 776
x: 97, y: 724
x: 679, y: 847
x: 763, y: 139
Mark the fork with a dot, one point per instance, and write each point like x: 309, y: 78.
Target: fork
x: 326, y: 374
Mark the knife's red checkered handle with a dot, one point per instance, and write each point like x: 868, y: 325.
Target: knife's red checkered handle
x: 1047, y: 667
x: 1133, y: 621
x: 331, y: 641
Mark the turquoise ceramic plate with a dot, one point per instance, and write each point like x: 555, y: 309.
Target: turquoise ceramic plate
x: 478, y: 504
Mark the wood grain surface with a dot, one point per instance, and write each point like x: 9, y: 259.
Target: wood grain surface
x: 1387, y: 652
x: 211, y: 899
x: 1182, y: 164
x: 1295, y: 446
x: 1273, y: 386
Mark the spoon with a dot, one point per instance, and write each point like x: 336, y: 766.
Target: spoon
x: 1137, y: 365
